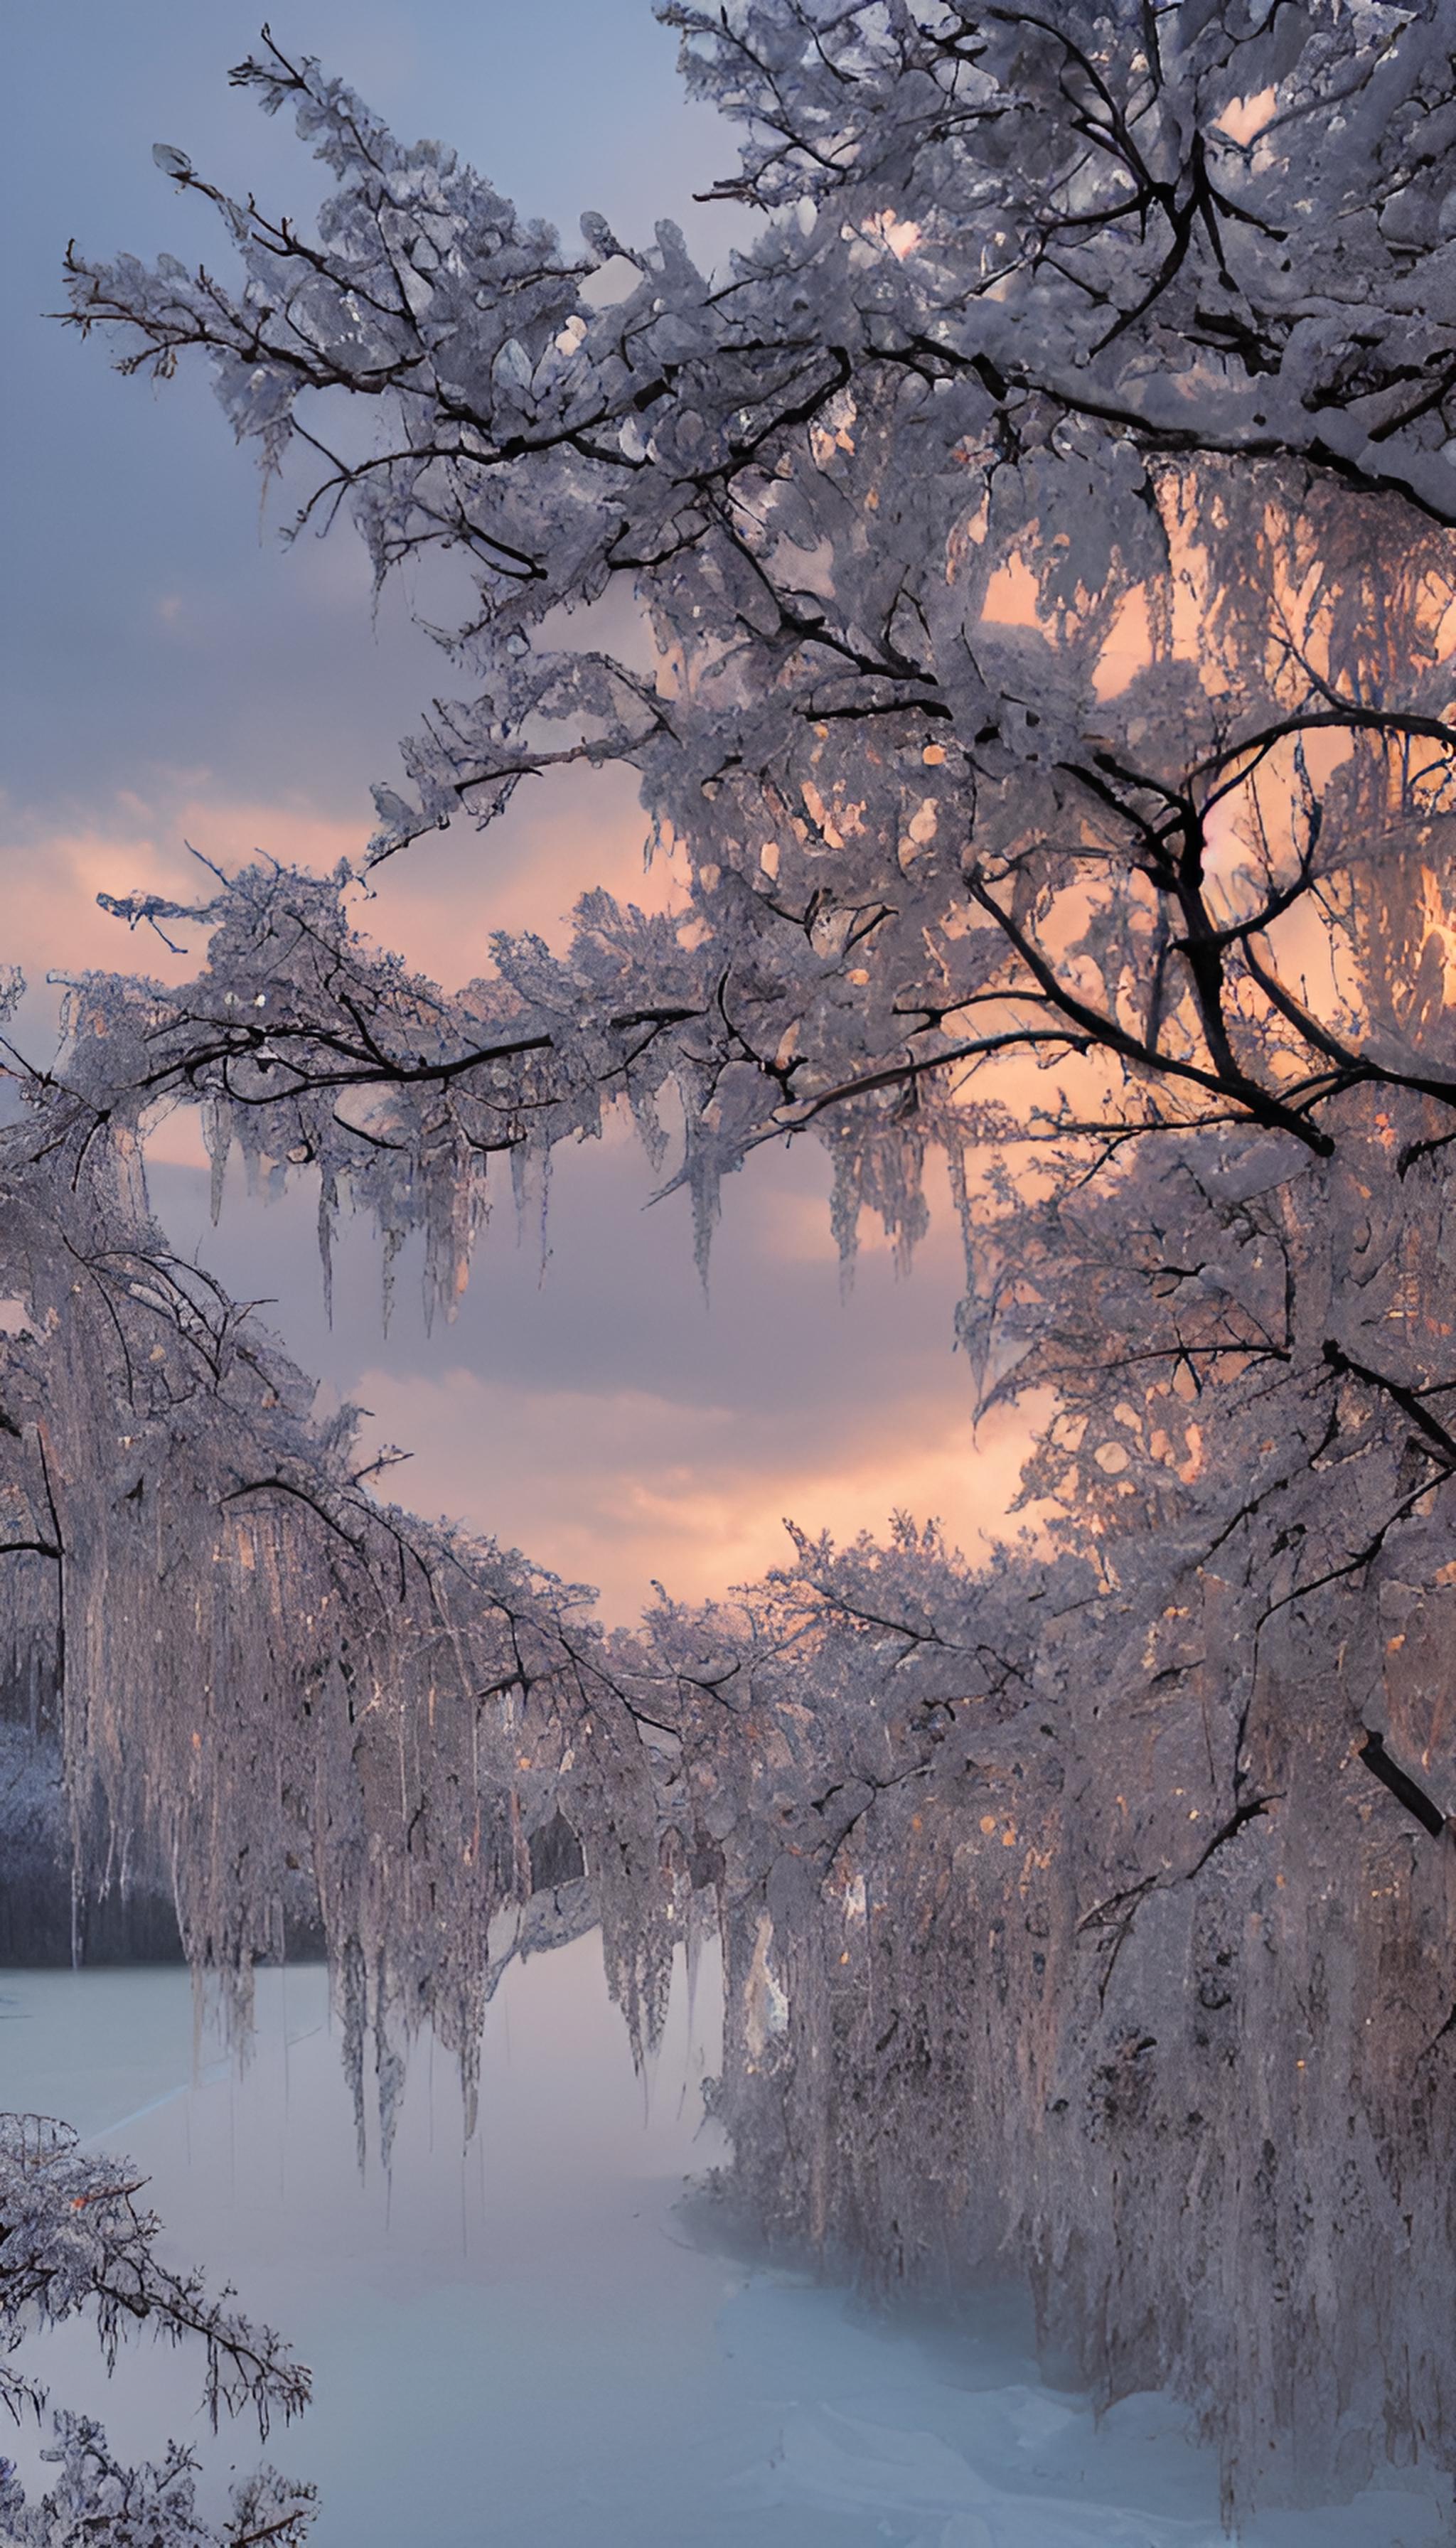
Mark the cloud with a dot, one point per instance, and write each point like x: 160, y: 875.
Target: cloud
x: 621, y: 1487
x: 602, y: 1413
x: 436, y: 908
x: 563, y: 836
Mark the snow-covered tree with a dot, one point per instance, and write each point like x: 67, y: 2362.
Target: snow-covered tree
x: 1038, y: 548
x: 279, y: 1692
x: 74, y: 2242
x: 1038, y: 540
x: 1023, y: 585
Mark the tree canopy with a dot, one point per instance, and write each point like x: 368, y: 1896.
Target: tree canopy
x: 1023, y: 585
x: 1033, y: 642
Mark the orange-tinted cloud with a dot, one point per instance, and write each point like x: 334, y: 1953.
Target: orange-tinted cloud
x: 623, y: 1488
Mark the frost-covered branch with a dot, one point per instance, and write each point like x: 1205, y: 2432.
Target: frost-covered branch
x: 1033, y: 532
x: 73, y: 2241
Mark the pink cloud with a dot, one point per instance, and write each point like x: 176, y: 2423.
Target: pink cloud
x: 436, y: 906
x: 624, y: 1486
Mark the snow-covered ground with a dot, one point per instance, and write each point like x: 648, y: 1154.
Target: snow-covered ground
x: 522, y: 2344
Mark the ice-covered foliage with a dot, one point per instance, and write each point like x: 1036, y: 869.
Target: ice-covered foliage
x: 1023, y: 1972
x: 996, y: 721
x: 277, y: 1689
x: 1041, y: 543
x: 74, y: 2242
x: 1065, y: 1922
x: 1054, y: 785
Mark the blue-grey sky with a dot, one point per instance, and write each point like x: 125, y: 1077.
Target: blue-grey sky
x: 158, y: 632
x: 171, y: 673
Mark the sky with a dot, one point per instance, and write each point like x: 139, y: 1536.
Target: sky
x: 172, y: 674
